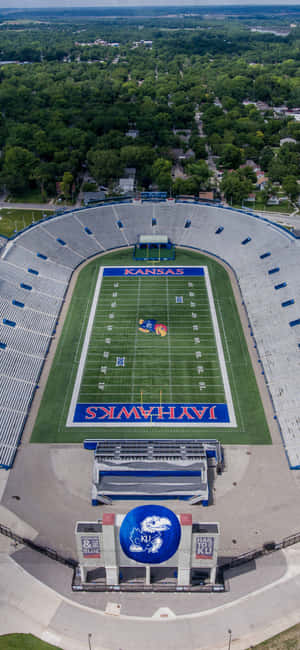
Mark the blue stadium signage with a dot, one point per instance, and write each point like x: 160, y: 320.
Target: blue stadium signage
x: 150, y: 534
x: 154, y: 195
x: 150, y: 271
x: 151, y: 413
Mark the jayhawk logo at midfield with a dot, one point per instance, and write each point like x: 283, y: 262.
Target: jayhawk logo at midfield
x: 152, y: 326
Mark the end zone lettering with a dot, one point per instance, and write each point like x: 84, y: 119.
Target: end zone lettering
x: 154, y: 271
x: 151, y: 271
x: 165, y: 413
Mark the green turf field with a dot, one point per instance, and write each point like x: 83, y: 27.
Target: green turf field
x: 156, y: 368
x: 168, y: 361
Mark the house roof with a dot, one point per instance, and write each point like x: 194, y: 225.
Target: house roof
x: 261, y: 180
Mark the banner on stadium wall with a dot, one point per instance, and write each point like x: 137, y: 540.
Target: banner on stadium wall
x: 204, y: 547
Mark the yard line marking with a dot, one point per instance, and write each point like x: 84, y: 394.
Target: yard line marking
x: 169, y: 340
x: 136, y: 335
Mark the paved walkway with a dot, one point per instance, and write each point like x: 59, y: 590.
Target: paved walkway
x: 27, y: 605
x: 40, y: 206
x: 28, y: 206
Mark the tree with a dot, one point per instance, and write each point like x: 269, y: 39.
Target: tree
x: 44, y: 175
x: 18, y: 169
x: 135, y: 156
x: 266, y: 158
x: 198, y: 146
x: 66, y: 184
x: 231, y: 156
x: 161, y: 170
x: 248, y: 172
x: 200, y: 172
x: 236, y: 187
x: 268, y: 191
x: 185, y: 186
x: 104, y: 165
x: 291, y: 187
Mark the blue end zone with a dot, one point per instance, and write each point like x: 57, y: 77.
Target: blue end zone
x: 132, y: 271
x: 151, y: 413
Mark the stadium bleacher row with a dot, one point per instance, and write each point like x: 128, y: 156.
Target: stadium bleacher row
x: 36, y: 266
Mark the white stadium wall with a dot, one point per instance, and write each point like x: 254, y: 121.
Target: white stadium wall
x: 36, y: 267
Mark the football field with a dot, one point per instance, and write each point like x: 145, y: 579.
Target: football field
x: 152, y: 342
x: 184, y: 371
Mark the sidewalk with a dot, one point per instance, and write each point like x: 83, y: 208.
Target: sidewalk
x: 39, y: 206
x: 27, y: 605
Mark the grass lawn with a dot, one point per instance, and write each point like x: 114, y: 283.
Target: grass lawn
x: 24, y: 642
x: 251, y: 423
x: 284, y: 208
x: 287, y: 640
x: 13, y: 220
x: 32, y: 196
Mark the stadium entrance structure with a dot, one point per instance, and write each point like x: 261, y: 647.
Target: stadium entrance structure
x: 154, y: 247
x: 147, y: 544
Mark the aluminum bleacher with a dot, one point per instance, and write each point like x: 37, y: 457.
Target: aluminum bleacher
x: 102, y: 223
x: 72, y: 231
x: 36, y: 266
x: 24, y: 341
x: 29, y: 319
x: 11, y: 428
x: 21, y: 366
x: 20, y: 256
x: 40, y: 241
x: 19, y: 276
x: 33, y: 299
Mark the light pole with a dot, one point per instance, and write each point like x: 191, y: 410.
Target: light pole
x: 89, y: 640
x: 229, y: 640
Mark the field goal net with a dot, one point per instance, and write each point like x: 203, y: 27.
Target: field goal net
x: 154, y: 247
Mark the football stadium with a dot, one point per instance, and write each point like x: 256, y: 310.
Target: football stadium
x: 149, y: 351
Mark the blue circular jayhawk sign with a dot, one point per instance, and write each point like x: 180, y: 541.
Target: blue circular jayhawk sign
x: 150, y: 534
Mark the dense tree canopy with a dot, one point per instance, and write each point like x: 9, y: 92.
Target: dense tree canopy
x: 236, y: 186
x: 86, y: 85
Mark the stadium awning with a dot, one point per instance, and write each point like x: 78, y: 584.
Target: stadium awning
x: 153, y: 239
